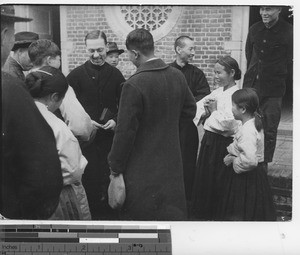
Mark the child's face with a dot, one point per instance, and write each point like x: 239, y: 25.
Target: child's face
x: 237, y: 111
x: 113, y: 58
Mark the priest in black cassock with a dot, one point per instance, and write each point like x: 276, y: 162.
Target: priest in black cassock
x: 185, y: 51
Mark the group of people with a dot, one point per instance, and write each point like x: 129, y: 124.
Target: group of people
x: 64, y: 138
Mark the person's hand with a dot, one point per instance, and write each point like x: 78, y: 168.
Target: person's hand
x: 96, y: 125
x: 228, y: 159
x: 211, y: 105
x: 111, y: 124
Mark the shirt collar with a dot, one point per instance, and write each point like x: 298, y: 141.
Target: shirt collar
x: 276, y: 27
x: 151, y: 59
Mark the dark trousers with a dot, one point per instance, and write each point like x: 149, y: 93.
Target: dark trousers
x: 271, y: 111
x: 96, y: 178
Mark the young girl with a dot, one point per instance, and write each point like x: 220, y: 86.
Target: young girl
x: 48, y: 87
x: 219, y: 127
x: 246, y: 192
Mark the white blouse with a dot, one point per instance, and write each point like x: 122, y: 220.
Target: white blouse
x: 247, y: 147
x: 72, y: 161
x: 75, y: 116
x: 220, y: 121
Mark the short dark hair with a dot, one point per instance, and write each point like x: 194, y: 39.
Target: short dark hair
x: 140, y: 39
x: 95, y: 34
x: 180, y: 41
x: 38, y: 50
x: 230, y: 63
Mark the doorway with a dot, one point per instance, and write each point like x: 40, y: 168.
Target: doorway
x: 45, y: 21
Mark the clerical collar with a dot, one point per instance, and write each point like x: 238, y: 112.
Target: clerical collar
x: 96, y: 67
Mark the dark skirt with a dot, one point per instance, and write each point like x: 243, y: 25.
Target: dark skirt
x: 209, y: 174
x: 246, y: 196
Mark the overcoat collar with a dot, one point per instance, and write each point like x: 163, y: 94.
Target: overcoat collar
x: 174, y: 64
x: 275, y: 28
x: 153, y: 65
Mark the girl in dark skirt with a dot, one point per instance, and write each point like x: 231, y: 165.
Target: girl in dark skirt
x: 220, y: 127
x: 246, y: 193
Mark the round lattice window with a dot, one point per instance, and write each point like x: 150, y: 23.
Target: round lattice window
x: 157, y: 19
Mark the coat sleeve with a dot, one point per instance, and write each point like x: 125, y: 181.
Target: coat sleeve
x: 75, y: 116
x: 202, y: 88
x: 189, y: 107
x: 118, y: 92
x: 130, y: 111
x: 248, y: 48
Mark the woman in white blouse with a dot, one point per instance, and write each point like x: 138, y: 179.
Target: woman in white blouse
x: 246, y: 191
x: 48, y: 87
x: 214, y: 112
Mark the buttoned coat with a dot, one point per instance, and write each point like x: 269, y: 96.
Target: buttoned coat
x: 269, y: 53
x: 146, y: 147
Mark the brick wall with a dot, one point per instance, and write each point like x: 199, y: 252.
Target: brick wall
x: 209, y: 26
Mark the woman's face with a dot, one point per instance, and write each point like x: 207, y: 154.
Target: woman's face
x: 221, y: 77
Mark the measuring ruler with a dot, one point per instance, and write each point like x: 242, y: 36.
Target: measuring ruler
x: 49, y: 239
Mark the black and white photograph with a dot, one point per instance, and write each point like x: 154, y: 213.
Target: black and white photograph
x: 153, y: 113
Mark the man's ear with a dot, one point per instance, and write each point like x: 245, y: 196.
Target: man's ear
x: 136, y: 53
x: 178, y: 49
x: 4, y: 35
x: 47, y: 60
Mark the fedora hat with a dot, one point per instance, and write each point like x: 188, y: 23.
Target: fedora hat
x: 24, y: 39
x: 8, y: 14
x: 113, y: 47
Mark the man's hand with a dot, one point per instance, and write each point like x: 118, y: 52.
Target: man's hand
x: 96, y: 125
x: 111, y: 124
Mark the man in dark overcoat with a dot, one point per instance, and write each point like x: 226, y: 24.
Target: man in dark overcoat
x: 185, y: 50
x: 146, y: 147
x: 31, y: 176
x: 269, y: 53
x: 97, y: 86
x: 19, y: 61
